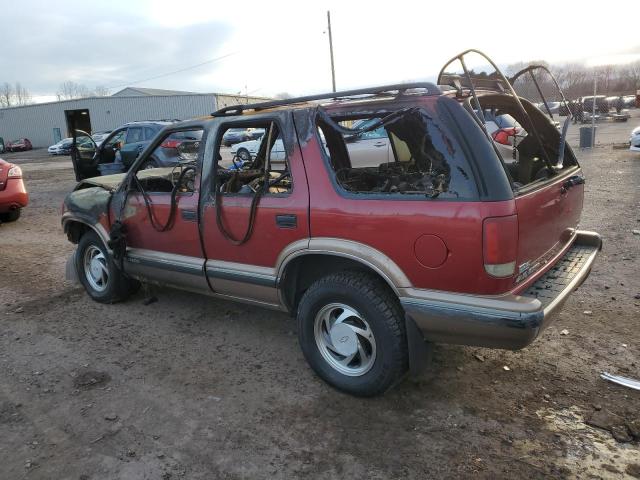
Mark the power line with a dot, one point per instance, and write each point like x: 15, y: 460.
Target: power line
x: 213, y: 60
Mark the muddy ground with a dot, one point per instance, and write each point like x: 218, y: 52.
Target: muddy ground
x: 197, y: 388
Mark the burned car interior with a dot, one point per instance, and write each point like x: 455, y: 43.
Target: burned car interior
x: 264, y: 174
x: 416, y: 155
x: 531, y: 165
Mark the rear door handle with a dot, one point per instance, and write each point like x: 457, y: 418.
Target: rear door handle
x: 286, y: 221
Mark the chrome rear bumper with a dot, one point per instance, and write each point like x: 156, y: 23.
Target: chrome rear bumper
x: 510, y: 321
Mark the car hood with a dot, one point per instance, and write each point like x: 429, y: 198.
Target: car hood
x: 112, y: 182
x: 108, y: 182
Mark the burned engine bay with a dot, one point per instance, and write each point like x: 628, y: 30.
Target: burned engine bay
x: 414, y: 164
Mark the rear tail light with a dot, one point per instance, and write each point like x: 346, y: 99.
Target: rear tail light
x: 15, y: 172
x: 170, y: 144
x: 500, y: 245
x: 502, y: 135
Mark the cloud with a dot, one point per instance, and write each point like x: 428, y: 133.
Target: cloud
x: 44, y: 46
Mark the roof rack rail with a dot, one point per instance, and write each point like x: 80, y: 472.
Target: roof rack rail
x: 400, y: 88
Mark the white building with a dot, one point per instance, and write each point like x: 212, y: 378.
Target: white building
x: 47, y: 123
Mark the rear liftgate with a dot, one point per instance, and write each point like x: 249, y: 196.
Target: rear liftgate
x: 467, y: 82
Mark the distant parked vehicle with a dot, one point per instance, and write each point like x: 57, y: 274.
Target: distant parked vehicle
x: 634, y: 141
x: 246, y: 151
x: 554, y: 107
x: 123, y: 146
x: 602, y: 105
x: 235, y: 135
x: 20, y: 145
x: 629, y: 101
x: 63, y: 147
x: 13, y: 195
x: 506, y: 133
x: 98, y: 137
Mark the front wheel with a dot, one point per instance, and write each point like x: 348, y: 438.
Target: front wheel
x: 98, y: 273
x: 351, y: 331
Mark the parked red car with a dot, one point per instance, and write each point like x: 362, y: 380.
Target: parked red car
x: 20, y: 145
x: 438, y: 239
x: 13, y: 195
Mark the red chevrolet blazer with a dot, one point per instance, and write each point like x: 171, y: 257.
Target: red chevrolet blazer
x: 392, y: 222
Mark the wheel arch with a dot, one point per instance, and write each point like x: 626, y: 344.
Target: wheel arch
x: 300, y: 270
x: 75, y: 227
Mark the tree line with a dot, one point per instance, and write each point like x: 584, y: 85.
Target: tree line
x: 16, y: 95
x: 576, y: 80
x: 12, y: 95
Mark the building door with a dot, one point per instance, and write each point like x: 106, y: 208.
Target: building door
x: 78, y: 120
x: 57, y: 136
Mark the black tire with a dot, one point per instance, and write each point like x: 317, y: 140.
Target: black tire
x: 377, y: 304
x: 151, y: 163
x: 10, y: 216
x: 117, y: 287
x: 243, y: 154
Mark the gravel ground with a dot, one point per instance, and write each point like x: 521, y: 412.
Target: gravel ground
x: 197, y: 388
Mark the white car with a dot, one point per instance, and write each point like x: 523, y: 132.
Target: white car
x: 365, y: 150
x: 60, y: 148
x: 505, y: 131
x: 634, y: 141
x: 245, y: 151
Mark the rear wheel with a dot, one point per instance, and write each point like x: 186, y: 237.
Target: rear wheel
x: 351, y: 330
x: 11, y: 216
x: 149, y: 164
x: 98, y: 273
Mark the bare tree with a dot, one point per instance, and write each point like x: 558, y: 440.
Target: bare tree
x: 70, y: 90
x: 101, y: 91
x: 6, y: 94
x: 632, y: 75
x: 21, y: 95
x: 14, y: 95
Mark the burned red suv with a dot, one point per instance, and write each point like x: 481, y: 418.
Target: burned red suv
x: 391, y: 222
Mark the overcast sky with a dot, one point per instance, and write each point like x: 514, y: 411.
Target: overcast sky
x: 279, y: 46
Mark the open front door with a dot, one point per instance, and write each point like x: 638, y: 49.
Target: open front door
x: 83, y: 155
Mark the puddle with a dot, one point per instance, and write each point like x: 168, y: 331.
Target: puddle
x: 590, y: 452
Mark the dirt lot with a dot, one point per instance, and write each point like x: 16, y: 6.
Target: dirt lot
x: 197, y: 388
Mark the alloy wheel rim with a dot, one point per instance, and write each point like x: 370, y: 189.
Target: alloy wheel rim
x: 345, y: 339
x: 95, y: 268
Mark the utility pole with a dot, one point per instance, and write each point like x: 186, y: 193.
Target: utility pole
x: 333, y: 71
x: 593, y: 113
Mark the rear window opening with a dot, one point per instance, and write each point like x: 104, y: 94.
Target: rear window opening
x: 523, y: 156
x: 403, y: 154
